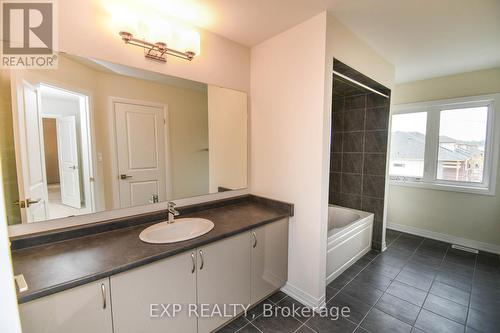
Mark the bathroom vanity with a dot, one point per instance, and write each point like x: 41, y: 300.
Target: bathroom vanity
x: 107, y: 281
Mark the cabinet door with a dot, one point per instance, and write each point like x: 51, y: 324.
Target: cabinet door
x: 82, y: 309
x: 138, y: 294
x: 224, y: 277
x: 269, y: 258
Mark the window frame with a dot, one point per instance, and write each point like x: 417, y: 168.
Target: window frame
x: 433, y: 110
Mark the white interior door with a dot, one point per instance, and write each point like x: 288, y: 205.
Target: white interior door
x: 69, y: 169
x: 30, y: 157
x: 140, y: 145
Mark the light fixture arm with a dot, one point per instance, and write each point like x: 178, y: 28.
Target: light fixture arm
x: 157, y: 51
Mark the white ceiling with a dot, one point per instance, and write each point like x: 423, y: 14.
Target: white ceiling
x: 422, y: 38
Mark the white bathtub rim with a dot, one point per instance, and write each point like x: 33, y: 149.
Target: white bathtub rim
x: 365, y: 217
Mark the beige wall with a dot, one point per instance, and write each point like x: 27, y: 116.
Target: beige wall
x: 50, y: 146
x: 7, y: 156
x: 290, y: 134
x: 469, y: 216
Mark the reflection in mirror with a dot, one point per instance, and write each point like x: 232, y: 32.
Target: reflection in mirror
x: 92, y: 136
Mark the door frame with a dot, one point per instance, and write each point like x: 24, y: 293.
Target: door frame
x: 17, y: 101
x: 115, y: 185
x: 89, y: 151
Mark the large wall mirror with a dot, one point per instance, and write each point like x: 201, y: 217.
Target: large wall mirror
x: 93, y: 136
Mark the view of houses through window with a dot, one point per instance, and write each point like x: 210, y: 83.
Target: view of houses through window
x: 461, y: 145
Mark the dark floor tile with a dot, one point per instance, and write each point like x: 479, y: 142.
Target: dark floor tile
x: 408, y: 242
x: 327, y: 325
x: 484, y: 322
x: 375, y: 279
x: 339, y: 282
x: 394, y: 261
x: 398, y: 308
x: 378, y: 321
x: 276, y: 323
x: 417, y: 330
x: 407, y: 293
x: 234, y: 325
x: 488, y: 262
x: 431, y: 252
x: 361, y: 330
x: 357, y: 309
x: 434, y: 244
x: 451, y: 293
x: 398, y: 252
x: 421, y: 269
x: 419, y: 281
x: 364, y: 261
x: 487, y: 279
x: 459, y: 270
x: 446, y: 308
x: 459, y: 281
x: 300, y: 311
x: 471, y: 330
x: 431, y: 322
x: 422, y: 259
x: 364, y: 292
x: 304, y: 329
x: 249, y: 328
x: 276, y: 297
x: 383, y: 269
x: 330, y: 293
x: 460, y: 257
x: 489, y: 302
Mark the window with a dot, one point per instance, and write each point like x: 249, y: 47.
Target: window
x: 445, y: 145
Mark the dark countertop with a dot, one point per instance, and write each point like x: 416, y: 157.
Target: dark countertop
x: 53, y: 267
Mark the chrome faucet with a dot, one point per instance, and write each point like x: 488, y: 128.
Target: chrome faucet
x: 171, y: 212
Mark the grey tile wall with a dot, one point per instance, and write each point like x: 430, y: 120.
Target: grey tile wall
x: 358, y: 155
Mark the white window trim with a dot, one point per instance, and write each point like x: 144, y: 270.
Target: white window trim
x: 433, y: 108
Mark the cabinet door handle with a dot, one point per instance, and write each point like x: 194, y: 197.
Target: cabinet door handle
x: 194, y: 264
x: 202, y: 260
x: 254, y: 239
x: 103, y: 293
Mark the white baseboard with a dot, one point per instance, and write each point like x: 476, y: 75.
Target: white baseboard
x: 487, y: 247
x: 303, y: 297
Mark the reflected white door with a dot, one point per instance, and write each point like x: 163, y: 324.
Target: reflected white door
x: 140, y: 138
x: 29, y: 144
x: 69, y: 169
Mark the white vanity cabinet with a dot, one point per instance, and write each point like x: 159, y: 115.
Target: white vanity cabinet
x: 81, y: 309
x: 138, y: 295
x: 240, y: 270
x: 269, y: 259
x: 223, y: 276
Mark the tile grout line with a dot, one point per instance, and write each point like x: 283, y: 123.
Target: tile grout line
x: 427, y: 295
x: 471, y: 290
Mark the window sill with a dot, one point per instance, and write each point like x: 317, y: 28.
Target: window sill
x: 444, y: 187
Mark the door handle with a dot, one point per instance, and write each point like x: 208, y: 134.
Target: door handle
x: 26, y: 203
x: 74, y: 167
x: 194, y: 263
x: 202, y: 260
x: 254, y: 239
x: 103, y: 293
x: 123, y: 177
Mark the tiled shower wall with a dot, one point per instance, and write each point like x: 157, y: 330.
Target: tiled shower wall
x: 358, y: 155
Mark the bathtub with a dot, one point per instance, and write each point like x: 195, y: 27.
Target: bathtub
x: 349, y: 238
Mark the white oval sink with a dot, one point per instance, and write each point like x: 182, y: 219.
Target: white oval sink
x: 181, y: 230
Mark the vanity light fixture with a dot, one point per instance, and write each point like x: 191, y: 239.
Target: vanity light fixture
x: 156, y: 51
